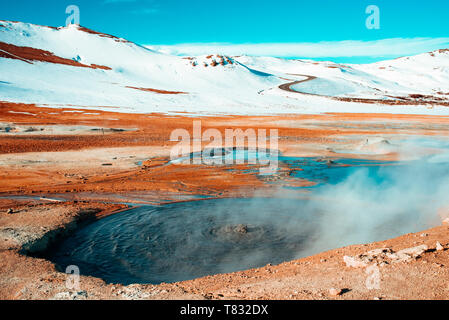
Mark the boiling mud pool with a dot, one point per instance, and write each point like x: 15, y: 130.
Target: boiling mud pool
x: 188, y: 240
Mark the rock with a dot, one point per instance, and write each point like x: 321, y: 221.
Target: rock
x: 234, y: 229
x: 439, y: 247
x: 399, y: 257
x: 10, y: 211
x: 407, y: 254
x: 378, y: 252
x: 335, y: 292
x: 384, y: 256
x: 376, y: 256
x: 354, y: 262
x: 241, y: 228
x: 424, y: 235
x: 414, y: 251
x: 80, y: 295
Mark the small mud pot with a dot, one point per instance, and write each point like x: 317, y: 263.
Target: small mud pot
x: 354, y: 202
x: 187, y: 240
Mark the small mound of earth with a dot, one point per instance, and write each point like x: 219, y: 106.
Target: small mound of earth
x: 240, y: 228
x: 238, y: 232
x: 230, y: 229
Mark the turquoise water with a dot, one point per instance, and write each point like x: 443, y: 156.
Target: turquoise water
x: 333, y: 171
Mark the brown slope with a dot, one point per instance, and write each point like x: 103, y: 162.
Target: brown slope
x: 29, y: 54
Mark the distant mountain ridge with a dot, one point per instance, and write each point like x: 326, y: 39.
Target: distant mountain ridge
x: 76, y: 66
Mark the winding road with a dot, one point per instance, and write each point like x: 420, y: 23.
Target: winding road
x: 287, y: 86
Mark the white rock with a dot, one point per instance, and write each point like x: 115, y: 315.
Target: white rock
x: 335, y: 292
x: 414, y: 251
x: 377, y: 252
x: 354, y: 262
x: 80, y: 295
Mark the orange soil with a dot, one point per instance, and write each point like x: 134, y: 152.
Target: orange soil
x: 28, y: 54
x: 154, y: 131
x: 26, y: 277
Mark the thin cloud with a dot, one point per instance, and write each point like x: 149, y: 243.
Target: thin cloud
x: 351, y: 48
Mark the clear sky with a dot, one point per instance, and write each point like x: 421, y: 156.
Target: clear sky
x: 168, y: 22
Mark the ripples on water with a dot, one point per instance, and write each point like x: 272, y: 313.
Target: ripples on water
x: 184, y: 241
x: 365, y: 201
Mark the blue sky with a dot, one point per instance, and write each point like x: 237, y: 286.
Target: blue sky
x: 261, y: 22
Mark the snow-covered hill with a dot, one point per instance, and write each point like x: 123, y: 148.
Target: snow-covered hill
x: 75, y: 66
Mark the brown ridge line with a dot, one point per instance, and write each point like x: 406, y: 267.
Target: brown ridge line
x: 81, y: 28
x: 11, y: 56
x: 104, y: 35
x: 396, y: 101
x: 28, y: 54
x: 157, y: 90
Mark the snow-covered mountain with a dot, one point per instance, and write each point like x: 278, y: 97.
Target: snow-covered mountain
x: 75, y: 66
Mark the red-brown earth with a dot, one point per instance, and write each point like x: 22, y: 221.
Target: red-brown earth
x: 93, y: 157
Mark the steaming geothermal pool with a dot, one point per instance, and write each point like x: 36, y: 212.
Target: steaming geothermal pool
x: 189, y: 240
x: 350, y: 205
